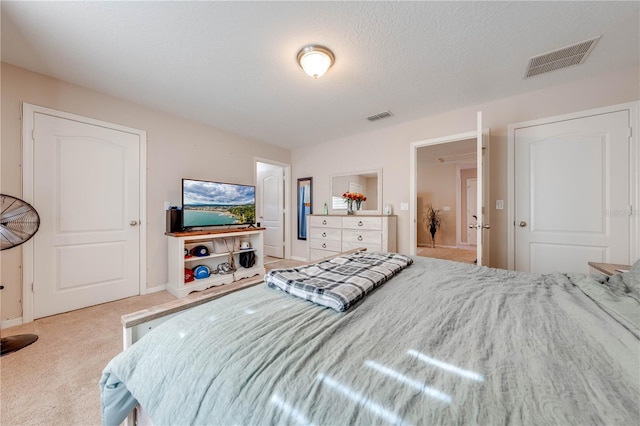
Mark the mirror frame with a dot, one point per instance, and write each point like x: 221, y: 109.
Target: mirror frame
x: 302, y: 208
x: 378, y: 209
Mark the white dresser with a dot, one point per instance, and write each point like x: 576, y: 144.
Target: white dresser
x: 330, y: 235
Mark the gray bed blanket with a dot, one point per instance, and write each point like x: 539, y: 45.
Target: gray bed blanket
x: 440, y: 343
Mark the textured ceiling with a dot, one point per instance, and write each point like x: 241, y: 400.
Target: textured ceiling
x: 232, y: 64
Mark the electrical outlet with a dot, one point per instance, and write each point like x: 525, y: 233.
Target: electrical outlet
x: 404, y: 206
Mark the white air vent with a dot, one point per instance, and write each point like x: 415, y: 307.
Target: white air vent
x: 561, y: 58
x: 380, y: 116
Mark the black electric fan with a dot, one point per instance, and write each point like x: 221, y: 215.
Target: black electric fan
x: 19, y: 221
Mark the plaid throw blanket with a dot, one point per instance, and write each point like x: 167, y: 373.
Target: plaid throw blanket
x: 340, y: 282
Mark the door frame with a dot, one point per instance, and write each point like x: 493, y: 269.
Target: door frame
x: 28, y: 112
x: 633, y: 109
x: 413, y: 155
x: 287, y: 198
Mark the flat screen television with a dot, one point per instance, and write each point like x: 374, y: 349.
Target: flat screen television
x: 206, y: 203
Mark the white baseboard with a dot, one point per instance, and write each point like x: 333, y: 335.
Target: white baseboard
x: 156, y: 289
x: 298, y: 258
x: 448, y: 247
x: 10, y: 323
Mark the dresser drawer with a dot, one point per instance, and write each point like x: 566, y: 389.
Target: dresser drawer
x: 325, y: 234
x: 331, y: 234
x: 325, y: 221
x: 325, y: 245
x: 362, y: 222
x: 361, y: 236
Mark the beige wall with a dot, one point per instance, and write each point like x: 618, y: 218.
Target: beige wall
x: 436, y: 185
x: 180, y: 148
x: 389, y: 148
x: 176, y: 148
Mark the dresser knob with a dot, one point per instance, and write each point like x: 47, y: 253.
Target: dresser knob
x: 324, y: 234
x: 324, y: 245
x: 324, y: 222
x: 359, y: 237
x: 360, y: 223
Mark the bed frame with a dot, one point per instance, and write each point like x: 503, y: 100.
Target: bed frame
x: 137, y: 324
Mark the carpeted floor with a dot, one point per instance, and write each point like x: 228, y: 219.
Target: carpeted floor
x: 55, y: 380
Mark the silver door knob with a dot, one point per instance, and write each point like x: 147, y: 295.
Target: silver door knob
x: 486, y: 226
x: 522, y: 224
x: 473, y: 226
x: 133, y: 223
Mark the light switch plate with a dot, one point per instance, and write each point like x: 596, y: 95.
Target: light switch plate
x: 446, y: 208
x: 404, y: 206
x: 499, y: 204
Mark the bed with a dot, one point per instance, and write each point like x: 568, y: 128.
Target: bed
x: 440, y: 342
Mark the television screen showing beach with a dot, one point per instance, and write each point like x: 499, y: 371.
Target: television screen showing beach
x: 214, y: 203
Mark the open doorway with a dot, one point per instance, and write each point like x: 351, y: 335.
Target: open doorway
x: 446, y: 179
x: 448, y: 145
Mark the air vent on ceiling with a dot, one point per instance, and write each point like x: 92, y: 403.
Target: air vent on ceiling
x: 379, y: 116
x: 561, y: 58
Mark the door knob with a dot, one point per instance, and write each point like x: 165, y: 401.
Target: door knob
x: 522, y: 224
x: 472, y: 226
x: 486, y: 226
x: 133, y: 223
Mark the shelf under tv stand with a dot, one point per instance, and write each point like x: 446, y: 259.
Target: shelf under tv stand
x: 178, y: 241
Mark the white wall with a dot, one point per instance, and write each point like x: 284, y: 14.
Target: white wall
x: 389, y: 148
x: 176, y: 148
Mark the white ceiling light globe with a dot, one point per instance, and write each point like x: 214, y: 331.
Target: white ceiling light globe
x: 315, y: 60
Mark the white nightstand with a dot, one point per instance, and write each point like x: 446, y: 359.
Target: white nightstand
x: 607, y: 269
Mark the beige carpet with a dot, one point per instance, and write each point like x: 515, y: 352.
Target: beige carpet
x: 55, y: 380
x: 455, y: 254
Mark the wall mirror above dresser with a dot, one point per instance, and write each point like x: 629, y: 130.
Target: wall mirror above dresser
x: 368, y: 183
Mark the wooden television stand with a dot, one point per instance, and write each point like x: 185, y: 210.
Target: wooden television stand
x: 179, y: 241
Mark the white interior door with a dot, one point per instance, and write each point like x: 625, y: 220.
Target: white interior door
x: 270, y: 180
x: 472, y: 205
x: 572, y: 197
x: 86, y: 188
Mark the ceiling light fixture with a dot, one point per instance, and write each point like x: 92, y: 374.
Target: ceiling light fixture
x: 315, y: 60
